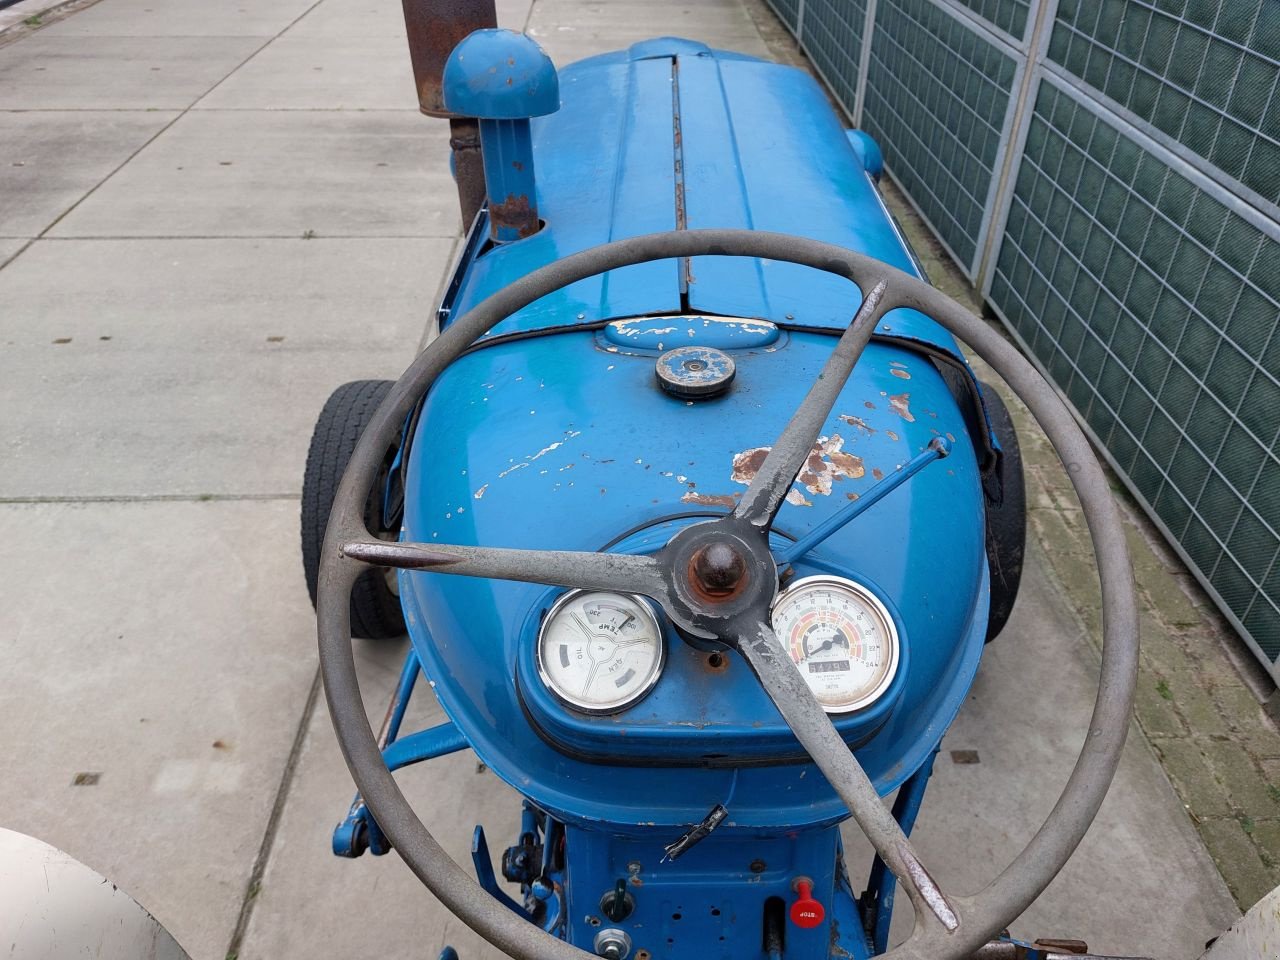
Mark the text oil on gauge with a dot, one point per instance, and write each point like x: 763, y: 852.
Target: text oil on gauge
x: 841, y: 638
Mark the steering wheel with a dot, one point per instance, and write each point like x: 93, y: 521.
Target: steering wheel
x: 716, y: 579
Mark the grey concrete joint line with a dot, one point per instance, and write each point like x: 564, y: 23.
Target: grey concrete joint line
x: 254, y: 886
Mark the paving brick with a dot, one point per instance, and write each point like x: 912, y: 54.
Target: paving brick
x: 1254, y: 728
x: 1193, y: 778
x: 1243, y: 780
x: 1155, y: 712
x: 1148, y: 569
x: 1247, y: 877
x: 1266, y: 837
x: 1168, y: 596
x: 1054, y: 532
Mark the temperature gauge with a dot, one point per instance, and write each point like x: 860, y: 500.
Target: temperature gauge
x: 600, y: 652
x: 841, y: 638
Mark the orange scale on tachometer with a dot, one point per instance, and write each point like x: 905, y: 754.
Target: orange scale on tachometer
x: 841, y: 638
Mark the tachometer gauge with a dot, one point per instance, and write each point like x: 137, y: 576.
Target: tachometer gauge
x: 841, y: 637
x: 600, y: 652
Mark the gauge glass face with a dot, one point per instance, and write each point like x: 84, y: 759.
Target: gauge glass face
x: 842, y: 639
x: 600, y: 652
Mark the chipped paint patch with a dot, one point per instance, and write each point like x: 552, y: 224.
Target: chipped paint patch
x: 747, y: 464
x: 711, y: 499
x: 900, y: 374
x: 827, y: 462
x: 568, y: 435
x: 858, y: 422
x: 900, y: 403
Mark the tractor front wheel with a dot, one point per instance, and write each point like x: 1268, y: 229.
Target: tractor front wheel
x: 1006, y: 520
x: 375, y: 601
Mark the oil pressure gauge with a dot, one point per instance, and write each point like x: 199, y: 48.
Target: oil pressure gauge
x: 600, y: 652
x: 841, y: 638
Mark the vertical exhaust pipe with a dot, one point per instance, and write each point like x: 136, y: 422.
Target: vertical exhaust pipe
x: 504, y: 78
x: 434, y: 28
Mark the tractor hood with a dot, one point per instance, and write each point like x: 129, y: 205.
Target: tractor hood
x: 554, y: 433
x: 671, y: 135
x: 567, y: 442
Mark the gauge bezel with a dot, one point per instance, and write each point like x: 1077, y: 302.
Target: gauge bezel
x: 618, y: 706
x: 878, y: 606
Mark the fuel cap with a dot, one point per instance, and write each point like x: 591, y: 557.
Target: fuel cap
x: 695, y: 373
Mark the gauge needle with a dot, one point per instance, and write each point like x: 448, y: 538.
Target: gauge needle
x: 828, y: 643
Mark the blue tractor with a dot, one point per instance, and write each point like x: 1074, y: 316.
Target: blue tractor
x: 696, y: 516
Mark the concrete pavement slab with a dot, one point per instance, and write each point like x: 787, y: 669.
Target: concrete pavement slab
x: 9, y: 249
x: 322, y: 73
x: 116, y: 73
x: 382, y: 18
x: 52, y: 159
x: 1140, y: 882
x: 181, y: 18
x: 351, y: 19
x: 157, y: 659
x: 281, y: 173
x: 570, y: 30
x: 149, y: 367
x: 313, y: 903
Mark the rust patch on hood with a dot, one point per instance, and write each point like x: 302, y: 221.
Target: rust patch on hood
x: 858, y: 422
x: 827, y: 462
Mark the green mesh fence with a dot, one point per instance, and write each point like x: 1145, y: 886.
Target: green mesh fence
x: 936, y: 99
x: 1007, y: 15
x: 788, y: 12
x: 832, y: 34
x: 1205, y: 73
x: 1154, y: 307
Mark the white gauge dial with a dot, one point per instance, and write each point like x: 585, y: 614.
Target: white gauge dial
x: 600, y: 652
x: 841, y: 638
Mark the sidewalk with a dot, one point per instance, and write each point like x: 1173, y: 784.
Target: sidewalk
x: 210, y: 216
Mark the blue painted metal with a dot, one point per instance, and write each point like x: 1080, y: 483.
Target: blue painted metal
x: 760, y: 147
x: 496, y: 74
x: 868, y: 151
x: 557, y: 442
x: 877, y: 901
x: 358, y: 831
x: 938, y: 448
x: 562, y: 439
x: 656, y: 334
x: 485, y: 876
x: 504, y: 78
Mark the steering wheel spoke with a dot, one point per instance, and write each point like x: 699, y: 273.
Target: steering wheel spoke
x: 787, y: 689
x: 787, y: 456
x: 617, y: 572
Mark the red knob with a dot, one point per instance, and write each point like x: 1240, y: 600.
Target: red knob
x: 806, y: 911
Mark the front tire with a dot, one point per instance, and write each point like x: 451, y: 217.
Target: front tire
x: 1007, y: 519
x: 375, y: 606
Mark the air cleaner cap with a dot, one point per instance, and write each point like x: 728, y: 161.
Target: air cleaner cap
x: 695, y: 373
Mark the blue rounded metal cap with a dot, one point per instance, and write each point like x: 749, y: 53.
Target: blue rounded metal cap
x: 500, y: 75
x: 868, y: 152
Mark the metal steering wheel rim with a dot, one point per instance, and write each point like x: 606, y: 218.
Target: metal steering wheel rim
x: 946, y: 928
